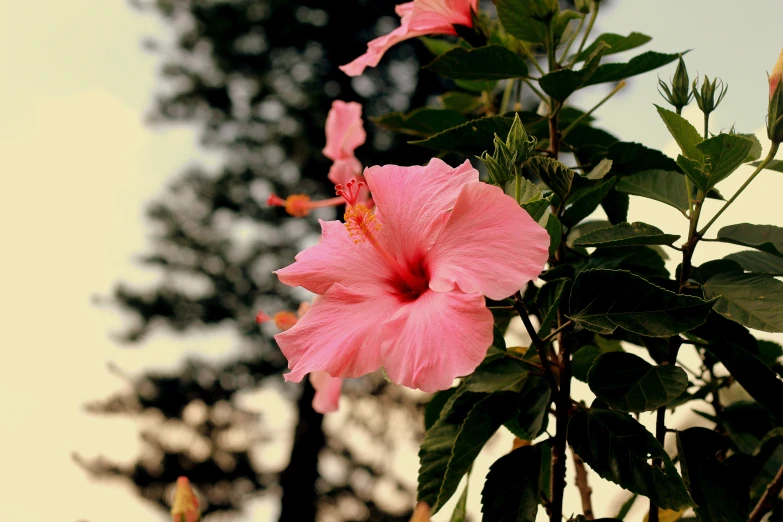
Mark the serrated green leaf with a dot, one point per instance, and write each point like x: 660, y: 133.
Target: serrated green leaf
x: 472, y: 137
x: 719, y: 492
x: 752, y: 300
x: 516, y: 17
x: 636, y: 305
x: 626, y: 234
x: 642, y: 261
x: 620, y: 450
x: 502, y: 374
x: 455, y: 440
x: 556, y: 175
x: 532, y: 410
x: 631, y: 158
x: 560, y: 84
x: 767, y: 238
x: 685, y: 134
x: 461, y: 102
x: 582, y: 202
x: 661, y: 185
x: 420, y: 122
x: 510, y: 493
x: 628, y: 383
x: 528, y: 191
x: 645, y: 62
x: 617, y: 43
x: 758, y: 262
x: 434, y: 408
x: 694, y: 171
x: 585, y: 357
x: 492, y: 62
x: 537, y: 207
x: 724, y: 154
x: 755, y: 149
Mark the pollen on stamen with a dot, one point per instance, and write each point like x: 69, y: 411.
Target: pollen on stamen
x: 360, y: 222
x: 350, y: 191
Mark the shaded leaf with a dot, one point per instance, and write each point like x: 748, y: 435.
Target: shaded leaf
x: 755, y: 149
x: 616, y: 204
x: 719, y: 492
x: 472, y: 137
x: 560, y: 84
x: 548, y: 301
x: 510, y: 492
x: 661, y: 185
x: 421, y: 122
x: 626, y: 234
x: 537, y: 207
x: 582, y: 202
x: 758, y: 262
x: 628, y: 383
x: 645, y: 62
x: 502, y: 374
x: 529, y: 419
x: 585, y: 357
x: 461, y: 509
x: 685, y: 134
x: 600, y: 170
x: 626, y: 507
x: 557, y: 176
x: 767, y: 238
x: 776, y: 165
x: 641, y: 307
x: 724, y: 153
x: 516, y: 17
x: 435, y: 406
x: 752, y: 300
x: 492, y: 62
x: 619, y: 449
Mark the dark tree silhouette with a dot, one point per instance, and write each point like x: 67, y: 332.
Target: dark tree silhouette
x: 257, y: 77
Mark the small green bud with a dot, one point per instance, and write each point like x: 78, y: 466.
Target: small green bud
x: 583, y: 6
x: 504, y: 155
x: 518, y: 141
x: 497, y: 174
x: 710, y: 95
x: 680, y: 93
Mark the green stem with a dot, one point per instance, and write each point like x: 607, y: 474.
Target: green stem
x: 687, y: 181
x: 706, y: 125
x: 773, y: 150
x: 532, y: 58
x: 550, y: 47
x: 517, y: 185
x: 506, y: 95
x: 593, y: 16
x: 536, y: 91
x: 579, y: 120
x: 572, y: 39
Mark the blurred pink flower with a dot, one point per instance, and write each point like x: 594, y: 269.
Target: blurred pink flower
x: 404, y: 288
x: 417, y: 18
x: 777, y: 73
x: 327, y: 388
x: 185, y: 508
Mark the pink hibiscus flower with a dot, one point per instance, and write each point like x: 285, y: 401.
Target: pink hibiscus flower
x: 403, y: 288
x: 327, y: 388
x: 777, y: 74
x: 344, y: 134
x: 417, y: 18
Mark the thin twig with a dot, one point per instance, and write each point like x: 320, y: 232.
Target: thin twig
x: 540, y: 346
x: 767, y: 500
x: 557, y: 330
x: 584, y: 487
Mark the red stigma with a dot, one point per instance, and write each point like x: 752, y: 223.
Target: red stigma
x: 275, y: 201
x: 349, y: 192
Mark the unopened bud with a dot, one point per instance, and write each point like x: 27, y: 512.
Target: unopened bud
x: 518, y: 142
x: 679, y: 95
x: 775, y: 114
x: 421, y: 513
x: 710, y: 95
x: 185, y: 508
x: 583, y: 6
x: 776, y: 75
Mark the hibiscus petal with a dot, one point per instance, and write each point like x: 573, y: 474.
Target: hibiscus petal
x: 327, y: 392
x: 412, y: 200
x: 344, y: 130
x: 436, y: 338
x: 344, y: 170
x: 488, y: 245
x: 441, y: 15
x: 336, y: 259
x: 339, y: 335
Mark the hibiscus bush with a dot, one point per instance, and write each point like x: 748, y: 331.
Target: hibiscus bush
x: 430, y: 263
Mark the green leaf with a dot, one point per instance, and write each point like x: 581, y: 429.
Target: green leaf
x: 510, y: 493
x: 776, y: 165
x: 694, y: 170
x: 752, y: 300
x: 461, y: 102
x: 560, y: 84
x: 602, y: 300
x: 751, y: 372
x: 661, y: 185
x: 645, y: 62
x: 516, y: 17
x: 537, y: 207
x: 530, y: 418
x: 582, y: 202
x: 616, y: 205
x: 492, y: 62
x: 628, y: 383
x: 472, y: 137
x: 626, y: 234
x: 548, y: 301
x: 455, y: 440
x: 557, y: 176
x: 767, y: 238
x: 626, y: 507
x: 719, y: 492
x: 421, y: 122
x: 528, y: 191
x: 461, y: 509
x: 642, y: 261
x: 685, y: 134
x: 758, y: 262
x: 619, y: 449
x: 555, y: 230
x: 600, y: 170
x: 585, y: 357
x: 435, y: 406
x: 437, y: 46
x: 503, y: 374
x: 755, y: 149
x: 724, y: 154
x: 630, y: 158
x: 617, y: 43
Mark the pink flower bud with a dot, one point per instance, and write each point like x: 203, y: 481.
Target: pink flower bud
x: 185, y: 508
x: 775, y: 76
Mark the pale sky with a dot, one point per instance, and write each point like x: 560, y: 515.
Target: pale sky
x: 80, y: 164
